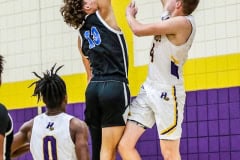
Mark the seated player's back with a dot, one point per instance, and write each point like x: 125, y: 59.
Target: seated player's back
x: 51, y: 134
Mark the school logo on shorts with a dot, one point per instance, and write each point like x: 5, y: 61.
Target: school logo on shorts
x: 164, y: 96
x: 50, y: 126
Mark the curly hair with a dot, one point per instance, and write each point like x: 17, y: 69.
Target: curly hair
x: 72, y: 12
x: 51, y: 88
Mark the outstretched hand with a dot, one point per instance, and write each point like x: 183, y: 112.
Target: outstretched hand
x: 131, y: 9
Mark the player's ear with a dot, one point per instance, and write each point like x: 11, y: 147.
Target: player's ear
x: 179, y: 4
x: 86, y: 7
x: 65, y: 99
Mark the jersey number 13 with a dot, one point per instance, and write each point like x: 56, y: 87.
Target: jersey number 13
x: 93, y: 37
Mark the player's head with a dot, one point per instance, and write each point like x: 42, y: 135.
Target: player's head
x: 51, y: 88
x: 184, y: 7
x: 75, y: 11
x: 1, y: 68
x: 189, y: 6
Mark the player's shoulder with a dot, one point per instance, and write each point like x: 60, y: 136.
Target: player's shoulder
x: 4, y: 118
x: 76, y: 120
x: 77, y: 123
x: 2, y: 107
x: 181, y: 22
x: 178, y: 19
x: 3, y: 110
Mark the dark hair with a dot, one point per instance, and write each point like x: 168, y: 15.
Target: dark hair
x: 1, y: 64
x: 51, y: 88
x: 189, y: 6
x: 72, y: 12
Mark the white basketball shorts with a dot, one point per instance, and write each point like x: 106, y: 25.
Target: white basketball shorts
x: 163, y: 105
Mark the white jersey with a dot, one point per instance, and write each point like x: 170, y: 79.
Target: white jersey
x: 167, y: 59
x: 51, y: 139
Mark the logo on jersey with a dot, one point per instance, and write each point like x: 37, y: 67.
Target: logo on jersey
x: 50, y: 126
x: 164, y: 96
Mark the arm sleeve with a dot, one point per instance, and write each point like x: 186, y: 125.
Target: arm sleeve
x: 3, y: 119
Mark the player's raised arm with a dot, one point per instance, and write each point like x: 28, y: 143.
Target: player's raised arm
x: 158, y: 28
x: 85, y: 61
x: 104, y: 7
x: 163, y: 2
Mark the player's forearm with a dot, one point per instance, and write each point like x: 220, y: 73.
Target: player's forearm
x: 134, y: 25
x: 140, y: 29
x: 82, y: 150
x: 21, y: 150
x: 84, y: 153
x: 1, y: 146
x: 87, y: 68
x: 163, y: 2
x: 137, y: 28
x: 1, y: 150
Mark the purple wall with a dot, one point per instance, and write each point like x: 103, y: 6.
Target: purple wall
x: 211, y: 129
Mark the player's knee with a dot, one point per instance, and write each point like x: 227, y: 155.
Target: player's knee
x: 166, y: 155
x: 123, y: 147
x: 170, y: 155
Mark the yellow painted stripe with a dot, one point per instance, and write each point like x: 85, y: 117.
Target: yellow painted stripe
x: 204, y: 73
x: 212, y: 72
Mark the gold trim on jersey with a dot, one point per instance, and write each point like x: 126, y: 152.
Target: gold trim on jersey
x: 172, y: 127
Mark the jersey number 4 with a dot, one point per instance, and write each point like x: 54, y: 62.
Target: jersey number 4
x: 152, y: 52
x: 93, y: 37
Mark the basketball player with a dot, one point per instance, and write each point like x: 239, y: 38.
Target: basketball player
x: 102, y: 46
x: 53, y: 134
x: 6, y: 126
x: 162, y: 96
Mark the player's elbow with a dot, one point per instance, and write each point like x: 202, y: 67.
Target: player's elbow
x: 137, y: 31
x: 137, y: 34
x: 16, y: 151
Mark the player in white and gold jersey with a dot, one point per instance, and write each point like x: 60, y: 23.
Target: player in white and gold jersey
x: 53, y: 135
x: 162, y: 96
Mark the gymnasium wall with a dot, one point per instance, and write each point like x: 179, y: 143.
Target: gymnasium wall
x: 33, y: 37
